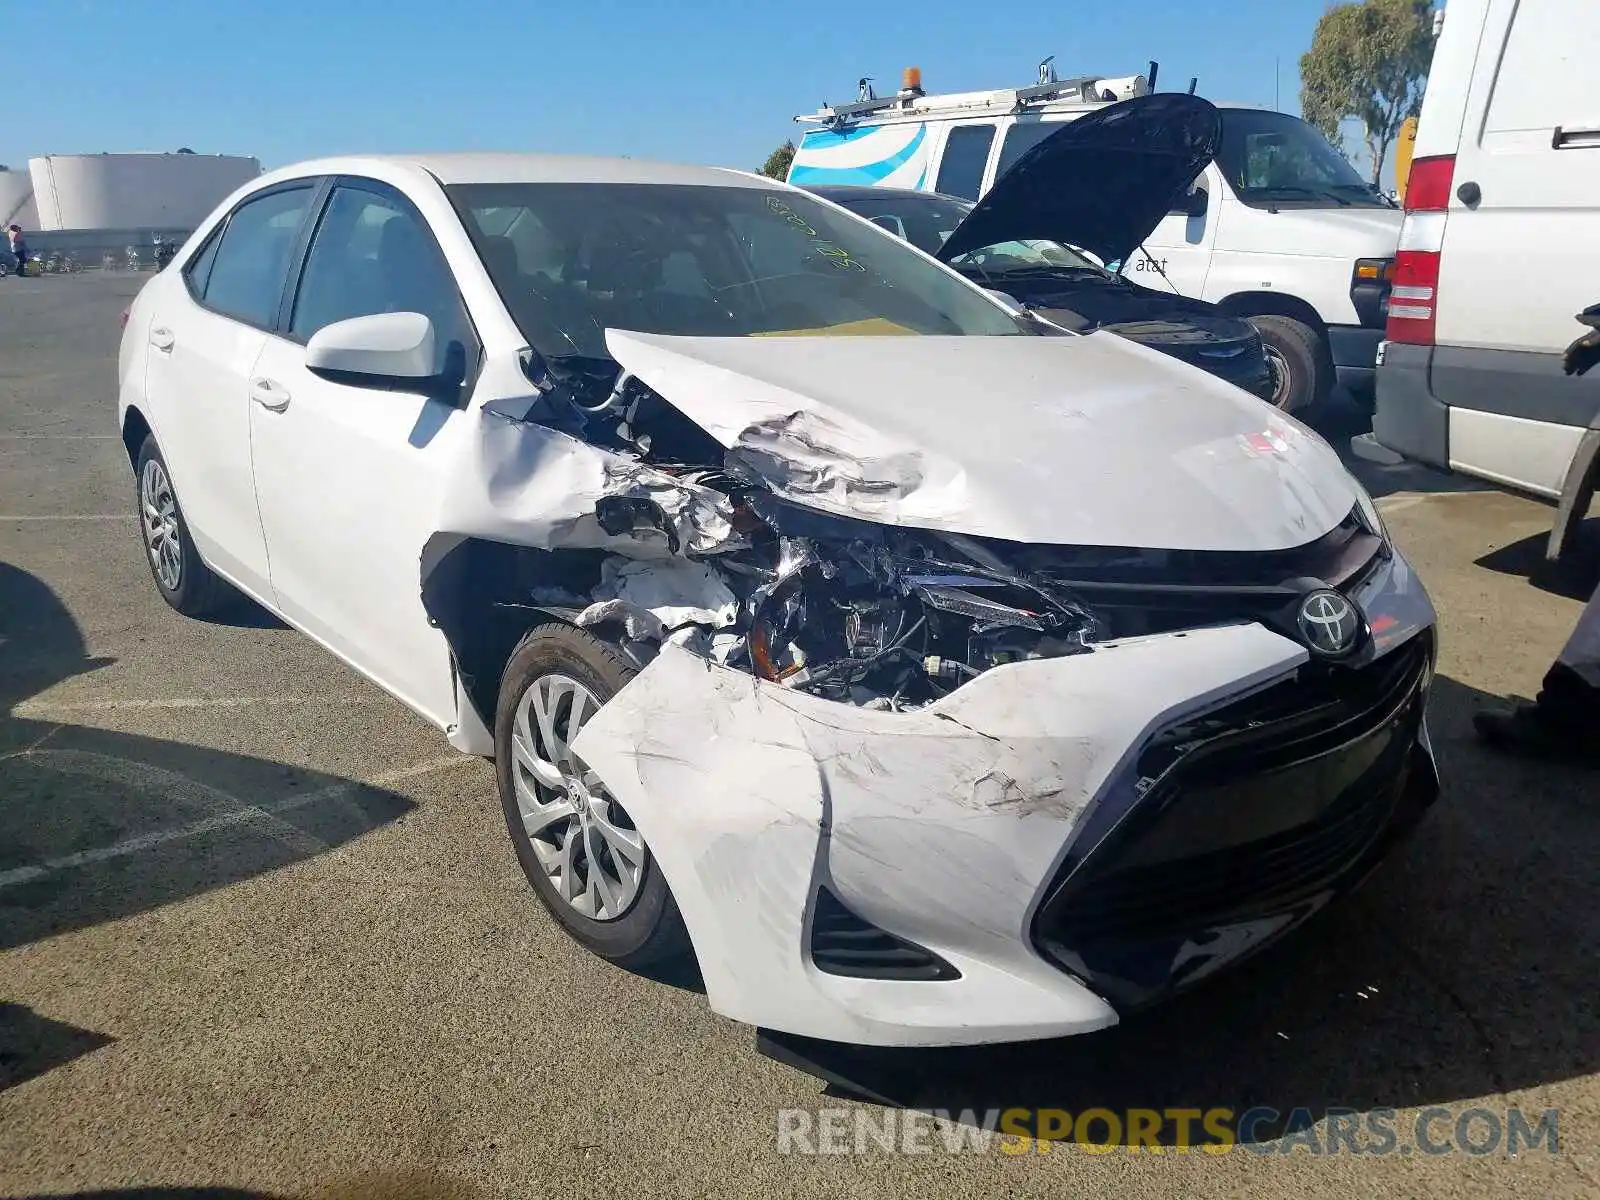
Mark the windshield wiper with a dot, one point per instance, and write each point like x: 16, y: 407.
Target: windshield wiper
x: 1369, y: 190
x: 1282, y: 190
x: 1044, y: 272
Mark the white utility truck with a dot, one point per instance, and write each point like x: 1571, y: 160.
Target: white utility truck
x: 1279, y: 228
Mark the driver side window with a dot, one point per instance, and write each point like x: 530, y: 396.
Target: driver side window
x: 372, y: 254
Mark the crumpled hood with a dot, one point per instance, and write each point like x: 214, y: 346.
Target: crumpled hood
x: 1089, y: 441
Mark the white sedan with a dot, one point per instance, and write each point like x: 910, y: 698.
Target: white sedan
x: 931, y: 675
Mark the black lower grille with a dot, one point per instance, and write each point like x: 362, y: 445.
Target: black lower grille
x: 843, y: 943
x: 1241, y: 824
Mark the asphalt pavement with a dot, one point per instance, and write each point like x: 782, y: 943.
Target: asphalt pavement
x: 261, y: 928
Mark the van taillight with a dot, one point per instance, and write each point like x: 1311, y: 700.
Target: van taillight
x: 1413, y: 301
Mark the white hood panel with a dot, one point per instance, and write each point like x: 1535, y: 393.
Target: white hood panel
x: 1088, y: 441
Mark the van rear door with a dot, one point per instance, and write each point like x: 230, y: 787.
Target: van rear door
x: 1521, y: 245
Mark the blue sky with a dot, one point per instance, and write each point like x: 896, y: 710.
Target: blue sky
x: 709, y: 81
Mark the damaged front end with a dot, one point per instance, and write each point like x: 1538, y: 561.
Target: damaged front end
x: 891, y: 772
x: 704, y: 554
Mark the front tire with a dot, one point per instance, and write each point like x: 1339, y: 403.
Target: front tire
x: 577, y: 846
x: 1302, y: 367
x: 184, y: 581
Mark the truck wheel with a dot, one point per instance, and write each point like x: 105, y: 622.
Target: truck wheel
x: 577, y: 845
x: 1302, y: 372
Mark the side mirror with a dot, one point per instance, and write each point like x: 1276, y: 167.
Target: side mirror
x: 381, y: 350
x: 1196, y: 202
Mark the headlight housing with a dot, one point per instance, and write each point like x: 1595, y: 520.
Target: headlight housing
x: 1370, y: 516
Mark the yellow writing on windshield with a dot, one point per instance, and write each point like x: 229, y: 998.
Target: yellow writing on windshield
x: 870, y: 327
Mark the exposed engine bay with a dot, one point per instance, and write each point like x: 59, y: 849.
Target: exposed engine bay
x: 686, y: 541
x: 849, y: 610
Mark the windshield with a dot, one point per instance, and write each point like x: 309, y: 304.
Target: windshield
x: 572, y: 260
x: 927, y: 221
x: 1273, y: 158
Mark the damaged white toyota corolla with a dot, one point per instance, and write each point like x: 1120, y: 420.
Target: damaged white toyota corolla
x: 934, y: 676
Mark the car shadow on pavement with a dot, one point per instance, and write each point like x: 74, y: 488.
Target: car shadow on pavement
x: 1341, y: 419
x: 1574, y: 576
x: 1464, y: 968
x: 97, y: 825
x: 244, y: 613
x: 365, y: 1185
x: 31, y: 1044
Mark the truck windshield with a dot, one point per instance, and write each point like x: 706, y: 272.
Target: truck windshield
x: 572, y: 260
x: 1274, y: 160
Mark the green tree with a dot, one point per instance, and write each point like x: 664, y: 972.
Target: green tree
x: 1368, y: 61
x: 777, y: 164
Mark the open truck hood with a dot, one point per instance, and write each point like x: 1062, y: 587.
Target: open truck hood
x: 1102, y: 182
x: 1086, y: 441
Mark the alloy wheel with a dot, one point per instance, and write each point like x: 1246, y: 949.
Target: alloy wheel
x: 159, y: 511
x: 584, y: 840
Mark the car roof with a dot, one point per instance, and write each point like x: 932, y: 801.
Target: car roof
x: 465, y: 168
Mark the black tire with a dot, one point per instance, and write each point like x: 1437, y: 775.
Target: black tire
x: 199, y: 590
x: 1297, y: 350
x: 651, y: 930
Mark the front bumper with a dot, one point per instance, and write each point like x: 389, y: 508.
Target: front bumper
x: 977, y: 871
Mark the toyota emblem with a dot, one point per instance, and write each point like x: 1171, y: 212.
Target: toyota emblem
x: 1329, y: 623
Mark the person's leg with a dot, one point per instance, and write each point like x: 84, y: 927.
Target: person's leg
x: 1565, y: 720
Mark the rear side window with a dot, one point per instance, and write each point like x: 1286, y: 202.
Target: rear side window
x: 241, y: 274
x: 966, y: 153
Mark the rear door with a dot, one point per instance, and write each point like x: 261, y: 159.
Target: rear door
x: 1521, y: 249
x: 205, y: 337
x: 1525, y: 256
x: 350, y: 478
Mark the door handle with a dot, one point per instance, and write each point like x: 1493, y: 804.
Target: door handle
x: 269, y: 395
x: 1575, y: 137
x: 161, y: 338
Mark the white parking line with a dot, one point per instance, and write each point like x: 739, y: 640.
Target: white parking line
x: 1403, y: 500
x: 47, y: 710
x: 225, y: 820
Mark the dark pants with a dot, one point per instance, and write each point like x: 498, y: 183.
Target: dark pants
x: 1570, y: 697
x: 21, y: 255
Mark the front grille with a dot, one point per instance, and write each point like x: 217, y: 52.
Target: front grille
x: 843, y: 943
x: 1249, y: 817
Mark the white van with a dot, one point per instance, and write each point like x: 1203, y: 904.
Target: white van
x: 1501, y: 248
x: 1279, y: 228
